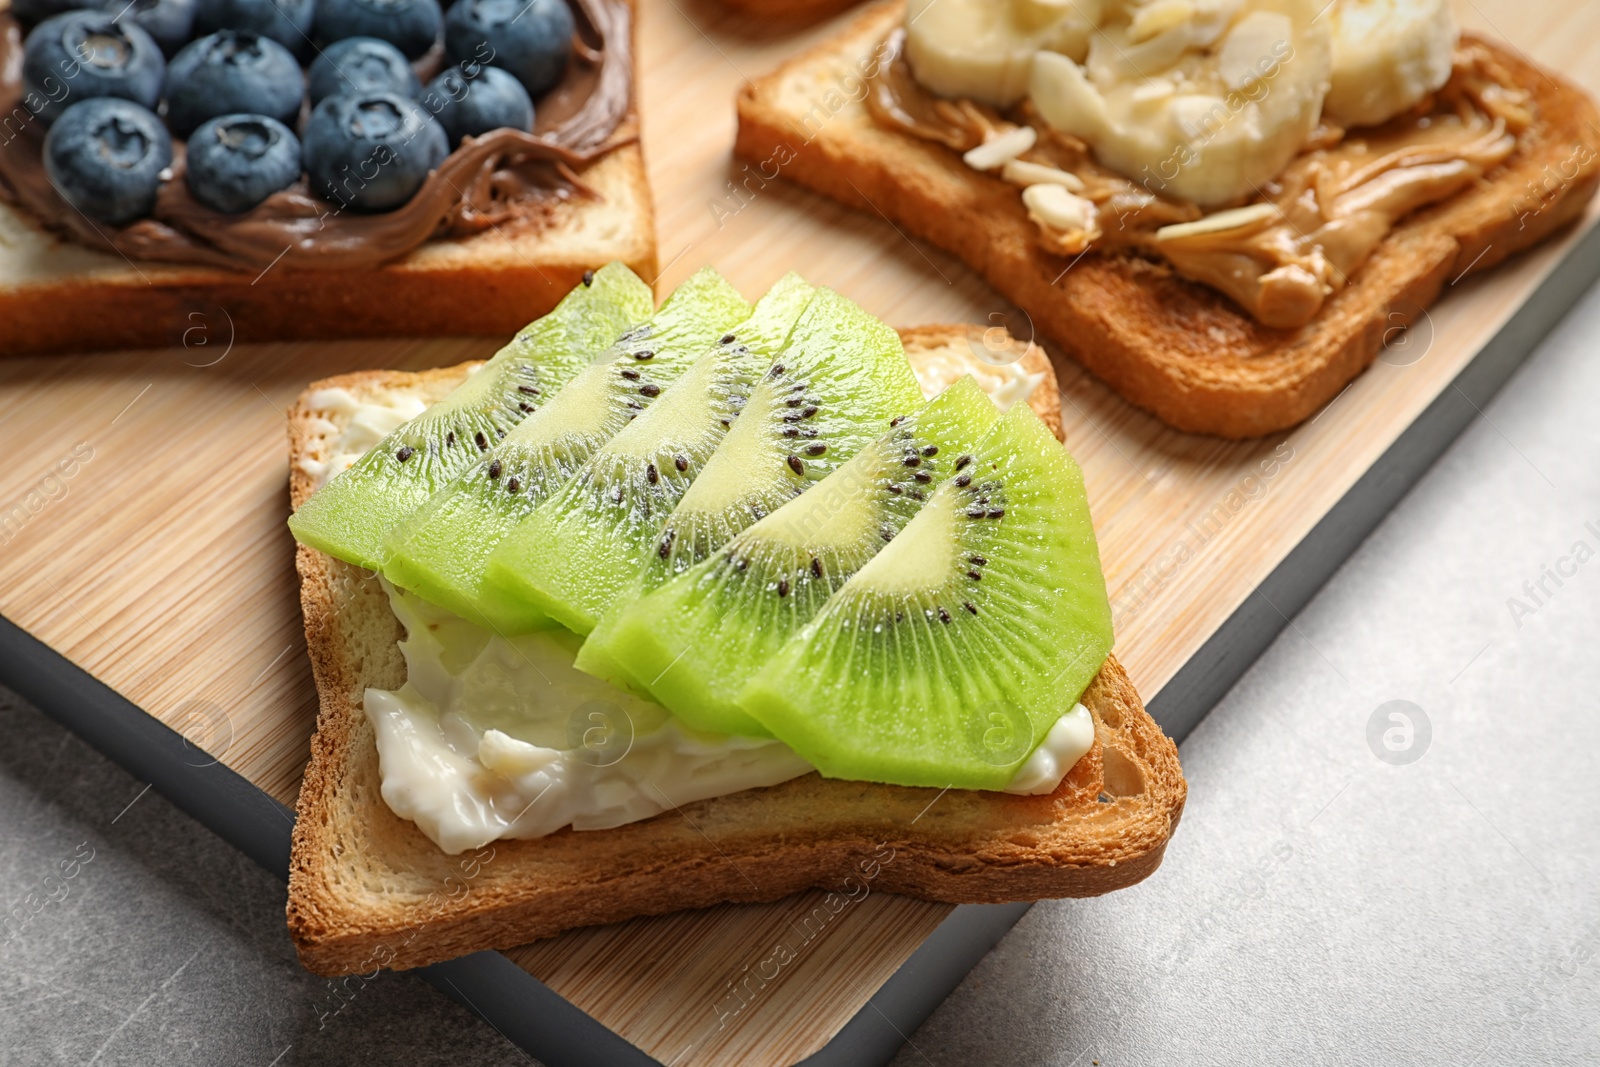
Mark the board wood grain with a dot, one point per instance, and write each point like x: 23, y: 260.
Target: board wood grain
x: 143, y: 499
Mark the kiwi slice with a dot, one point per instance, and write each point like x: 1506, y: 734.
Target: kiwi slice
x: 350, y: 517
x: 578, y: 551
x: 441, y: 552
x: 832, y: 390
x: 701, y: 637
x: 946, y: 658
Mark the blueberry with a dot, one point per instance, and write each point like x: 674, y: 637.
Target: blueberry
x: 29, y: 12
x: 169, y: 22
x: 232, y: 72
x: 87, y: 54
x: 467, y: 107
x: 286, y: 21
x: 410, y: 25
x: 529, y: 38
x: 236, y: 161
x: 361, y: 65
x: 105, y: 157
x: 371, y: 151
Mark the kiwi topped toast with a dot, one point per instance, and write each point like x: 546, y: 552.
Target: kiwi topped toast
x: 365, y: 883
x: 1182, y: 349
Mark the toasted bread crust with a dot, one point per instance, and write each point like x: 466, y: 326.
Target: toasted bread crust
x: 1174, y: 347
x: 492, y: 283
x: 368, y: 890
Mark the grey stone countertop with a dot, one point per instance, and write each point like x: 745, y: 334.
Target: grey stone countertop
x: 1348, y: 886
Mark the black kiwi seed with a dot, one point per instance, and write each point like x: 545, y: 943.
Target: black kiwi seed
x: 916, y: 495
x: 682, y: 463
x: 481, y: 441
x: 630, y: 374
x: 777, y: 369
x: 897, y: 420
x: 651, y: 474
x: 450, y: 438
x: 796, y: 465
x: 502, y: 435
x: 525, y: 406
x: 741, y: 563
x: 913, y: 461
x: 931, y: 450
x: 944, y: 616
x: 728, y: 338
x: 809, y: 432
x: 783, y: 587
x: 923, y: 476
x: 650, y: 389
x: 792, y: 416
x: 996, y: 513
x: 810, y: 411
x: 646, y: 354
x: 816, y: 566
x: 886, y: 533
x: 588, y: 278
x: 791, y: 432
x: 963, y: 481
x: 616, y: 495
x: 635, y: 405
x: 895, y: 489
x: 974, y: 575
x: 404, y: 453
x: 793, y: 402
x: 816, y: 450
x: 976, y: 513
x: 725, y: 423
x: 513, y: 485
x: 494, y: 468
x: 963, y: 461
x: 968, y: 605
x: 977, y: 561
x: 530, y: 390
x: 666, y: 545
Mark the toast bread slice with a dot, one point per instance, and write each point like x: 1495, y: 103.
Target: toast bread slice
x: 491, y: 283
x: 368, y: 889
x: 1174, y: 347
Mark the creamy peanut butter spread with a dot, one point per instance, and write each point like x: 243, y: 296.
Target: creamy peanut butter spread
x: 1282, y: 255
x: 506, y: 179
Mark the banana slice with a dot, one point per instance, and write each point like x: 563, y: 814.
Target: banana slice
x: 1387, y: 56
x: 983, y: 49
x: 1202, y: 100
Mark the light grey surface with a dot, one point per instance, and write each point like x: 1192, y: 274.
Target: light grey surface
x: 1319, y: 904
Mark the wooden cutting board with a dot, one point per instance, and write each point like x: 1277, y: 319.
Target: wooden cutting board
x: 143, y: 499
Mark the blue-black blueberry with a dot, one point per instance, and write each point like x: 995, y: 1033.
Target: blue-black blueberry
x: 233, y: 162
x: 371, y: 151
x: 530, y: 38
x: 232, y: 72
x: 170, y: 22
x: 289, y: 22
x: 106, y: 156
x: 82, y: 55
x: 29, y: 12
x: 361, y: 65
x: 467, y: 107
x: 410, y: 25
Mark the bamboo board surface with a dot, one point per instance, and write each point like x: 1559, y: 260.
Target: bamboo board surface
x: 158, y: 559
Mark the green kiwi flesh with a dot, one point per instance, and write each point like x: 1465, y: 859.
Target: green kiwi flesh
x: 946, y: 658
x: 579, y: 550
x: 700, y: 638
x: 440, y: 553
x: 350, y: 517
x: 831, y: 391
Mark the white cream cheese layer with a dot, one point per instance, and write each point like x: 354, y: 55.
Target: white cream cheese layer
x: 495, y: 737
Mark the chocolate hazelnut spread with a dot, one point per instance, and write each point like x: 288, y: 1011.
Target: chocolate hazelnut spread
x: 506, y: 179
x: 1320, y: 219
